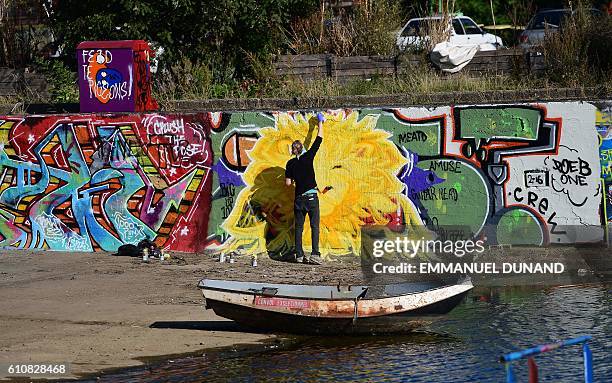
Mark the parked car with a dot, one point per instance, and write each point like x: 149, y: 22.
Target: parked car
x: 463, y: 32
x: 546, y: 20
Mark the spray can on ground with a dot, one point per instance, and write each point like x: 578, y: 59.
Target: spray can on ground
x: 254, y: 261
x: 145, y: 255
x: 222, y: 257
x: 231, y: 259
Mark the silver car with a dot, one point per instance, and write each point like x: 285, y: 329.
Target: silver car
x: 546, y: 21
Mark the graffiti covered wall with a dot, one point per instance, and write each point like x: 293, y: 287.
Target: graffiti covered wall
x: 88, y: 182
x: 521, y: 174
x: 604, y: 128
x: 530, y: 173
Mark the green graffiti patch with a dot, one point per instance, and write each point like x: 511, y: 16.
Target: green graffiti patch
x: 421, y: 138
x: 519, y: 227
x: 461, y: 201
x: 605, y: 156
x: 486, y: 123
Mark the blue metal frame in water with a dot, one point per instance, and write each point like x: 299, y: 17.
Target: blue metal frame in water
x: 513, y: 356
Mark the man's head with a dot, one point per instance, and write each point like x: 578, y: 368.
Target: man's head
x: 297, y: 147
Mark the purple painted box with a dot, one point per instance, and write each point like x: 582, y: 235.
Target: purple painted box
x: 114, y: 76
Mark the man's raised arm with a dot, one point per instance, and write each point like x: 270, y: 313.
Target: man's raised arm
x: 321, y: 119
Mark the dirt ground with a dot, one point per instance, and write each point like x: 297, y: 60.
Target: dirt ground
x: 98, y: 311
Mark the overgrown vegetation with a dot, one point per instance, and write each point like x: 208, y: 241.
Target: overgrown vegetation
x: 421, y: 80
x: 366, y: 30
x: 580, y: 51
x: 226, y: 48
x: 62, y: 82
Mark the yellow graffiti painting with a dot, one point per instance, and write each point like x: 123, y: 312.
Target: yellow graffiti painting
x: 356, y: 162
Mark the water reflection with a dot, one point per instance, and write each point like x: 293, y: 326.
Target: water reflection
x: 463, y: 347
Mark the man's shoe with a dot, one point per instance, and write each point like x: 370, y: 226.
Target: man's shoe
x: 299, y: 259
x: 290, y: 257
x: 314, y: 260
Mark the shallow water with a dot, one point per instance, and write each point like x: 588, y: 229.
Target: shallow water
x: 463, y: 347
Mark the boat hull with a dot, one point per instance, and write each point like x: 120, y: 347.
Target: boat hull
x: 331, y: 310
x: 266, y: 320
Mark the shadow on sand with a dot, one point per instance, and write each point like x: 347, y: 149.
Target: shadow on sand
x: 212, y: 325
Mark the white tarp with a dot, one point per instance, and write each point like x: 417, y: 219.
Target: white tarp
x: 452, y: 58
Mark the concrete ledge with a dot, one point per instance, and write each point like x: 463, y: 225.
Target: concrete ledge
x: 390, y: 100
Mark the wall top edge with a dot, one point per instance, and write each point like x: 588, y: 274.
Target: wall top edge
x: 596, y: 94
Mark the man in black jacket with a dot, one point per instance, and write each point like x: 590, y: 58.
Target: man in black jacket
x: 300, y: 170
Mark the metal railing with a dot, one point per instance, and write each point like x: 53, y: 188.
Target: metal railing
x: 533, y: 368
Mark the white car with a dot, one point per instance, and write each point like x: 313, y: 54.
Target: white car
x: 463, y: 31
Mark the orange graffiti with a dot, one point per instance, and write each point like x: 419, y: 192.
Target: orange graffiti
x: 97, y: 62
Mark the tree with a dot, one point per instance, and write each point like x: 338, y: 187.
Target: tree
x: 219, y: 32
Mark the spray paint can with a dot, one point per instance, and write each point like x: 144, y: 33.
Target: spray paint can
x: 222, y: 257
x: 254, y: 261
x: 231, y: 259
x: 145, y: 255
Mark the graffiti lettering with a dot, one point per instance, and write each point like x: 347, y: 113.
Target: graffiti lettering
x: 441, y: 193
x: 566, y: 167
x: 168, y: 127
x: 227, y: 190
x: 176, y: 143
x: 105, y: 91
x: 416, y: 136
x: 571, y: 174
x: 447, y: 166
x: 104, y: 83
x: 90, y: 55
x: 606, y: 162
x: 532, y: 198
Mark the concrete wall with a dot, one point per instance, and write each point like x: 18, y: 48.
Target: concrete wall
x: 526, y: 173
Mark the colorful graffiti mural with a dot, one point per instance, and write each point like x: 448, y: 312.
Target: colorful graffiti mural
x: 85, y: 183
x: 604, y: 129
x: 520, y: 174
x: 525, y: 174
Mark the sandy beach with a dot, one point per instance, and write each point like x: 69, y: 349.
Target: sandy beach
x: 95, y: 311
x: 98, y: 311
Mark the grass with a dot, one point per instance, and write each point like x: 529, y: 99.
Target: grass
x: 425, y: 82
x: 422, y: 81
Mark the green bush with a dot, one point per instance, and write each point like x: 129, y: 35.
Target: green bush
x: 63, y: 86
x: 215, y: 32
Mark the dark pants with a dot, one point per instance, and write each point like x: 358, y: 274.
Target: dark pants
x: 306, y: 204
